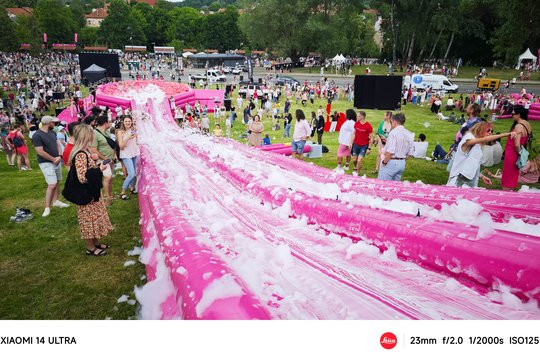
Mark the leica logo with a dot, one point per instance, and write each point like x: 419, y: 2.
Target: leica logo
x: 388, y: 340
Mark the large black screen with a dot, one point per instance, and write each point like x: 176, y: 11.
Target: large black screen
x: 377, y: 92
x: 107, y: 61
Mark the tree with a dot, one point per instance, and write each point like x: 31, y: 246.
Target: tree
x: 8, y: 41
x: 187, y: 25
x: 519, y: 29
x: 221, y: 30
x: 120, y: 28
x: 56, y: 20
x: 88, y: 36
x: 77, y: 11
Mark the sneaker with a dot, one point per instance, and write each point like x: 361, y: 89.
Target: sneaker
x: 60, y: 204
x: 346, y: 168
x: 354, y: 173
x: 23, y: 168
x: 46, y: 212
x: 339, y: 168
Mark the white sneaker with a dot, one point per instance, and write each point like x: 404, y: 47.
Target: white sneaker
x: 60, y: 204
x: 338, y: 169
x: 46, y: 212
x: 354, y: 173
x: 346, y: 168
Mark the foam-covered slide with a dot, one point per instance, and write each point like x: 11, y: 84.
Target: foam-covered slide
x: 230, y: 233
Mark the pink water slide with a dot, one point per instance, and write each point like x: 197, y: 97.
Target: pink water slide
x: 232, y: 232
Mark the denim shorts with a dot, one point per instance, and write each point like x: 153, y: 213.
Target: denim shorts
x: 298, y: 146
x: 358, y: 150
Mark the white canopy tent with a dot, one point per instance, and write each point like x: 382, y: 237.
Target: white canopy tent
x: 527, y: 55
x: 187, y: 54
x: 338, y: 59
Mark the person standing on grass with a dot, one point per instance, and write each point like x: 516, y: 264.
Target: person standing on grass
x: 346, y: 135
x: 50, y: 162
x: 8, y: 148
x: 399, y: 146
x: 18, y: 143
x: 94, y: 222
x: 301, y: 133
x: 69, y: 145
x: 103, y: 147
x: 361, y: 142
x: 320, y: 129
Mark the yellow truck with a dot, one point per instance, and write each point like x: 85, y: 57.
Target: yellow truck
x: 489, y: 84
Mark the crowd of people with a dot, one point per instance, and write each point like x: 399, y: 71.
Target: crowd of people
x: 104, y: 140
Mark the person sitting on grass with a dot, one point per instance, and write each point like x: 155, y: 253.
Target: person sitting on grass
x: 266, y: 140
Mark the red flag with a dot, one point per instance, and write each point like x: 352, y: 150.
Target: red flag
x: 76, y: 38
x: 44, y: 37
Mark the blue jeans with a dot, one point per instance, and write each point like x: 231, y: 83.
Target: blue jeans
x: 131, y: 167
x: 287, y: 131
x: 392, y: 171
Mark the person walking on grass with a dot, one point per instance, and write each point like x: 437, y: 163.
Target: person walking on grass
x: 94, y: 222
x: 50, y: 162
x: 361, y: 143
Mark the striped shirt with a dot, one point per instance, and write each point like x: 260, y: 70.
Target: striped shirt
x: 399, y: 143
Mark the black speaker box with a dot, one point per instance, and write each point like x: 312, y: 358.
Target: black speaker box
x: 227, y: 103
x: 377, y: 92
x: 58, y: 111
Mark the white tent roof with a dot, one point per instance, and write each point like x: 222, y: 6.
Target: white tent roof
x: 187, y: 54
x: 527, y: 55
x: 94, y: 68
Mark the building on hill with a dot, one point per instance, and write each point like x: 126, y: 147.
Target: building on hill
x: 95, y: 18
x: 14, y: 12
x: 149, y: 2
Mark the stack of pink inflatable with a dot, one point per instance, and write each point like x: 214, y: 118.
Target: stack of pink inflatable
x: 283, y: 149
x: 232, y: 232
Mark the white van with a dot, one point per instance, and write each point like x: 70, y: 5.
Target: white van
x: 211, y: 75
x: 437, y: 82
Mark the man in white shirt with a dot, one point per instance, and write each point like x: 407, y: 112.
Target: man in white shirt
x: 399, y: 146
x: 345, y: 138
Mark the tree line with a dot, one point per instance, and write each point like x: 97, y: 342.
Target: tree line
x: 412, y: 31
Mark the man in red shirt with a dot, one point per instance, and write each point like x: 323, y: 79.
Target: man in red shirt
x: 363, y: 137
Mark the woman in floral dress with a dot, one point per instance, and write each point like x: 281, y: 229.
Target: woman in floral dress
x: 94, y: 222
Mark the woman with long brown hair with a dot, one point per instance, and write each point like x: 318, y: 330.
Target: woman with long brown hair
x: 94, y: 222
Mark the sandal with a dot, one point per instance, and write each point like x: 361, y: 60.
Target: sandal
x: 96, y: 252
x: 102, y: 246
x: 135, y: 192
x: 124, y: 197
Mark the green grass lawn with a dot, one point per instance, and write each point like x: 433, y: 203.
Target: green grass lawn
x: 465, y: 72
x: 419, y: 120
x: 44, y: 273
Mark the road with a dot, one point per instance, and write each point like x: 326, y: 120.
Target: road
x: 464, y: 86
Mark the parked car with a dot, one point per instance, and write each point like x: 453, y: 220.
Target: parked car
x: 227, y: 70
x: 250, y: 89
x: 436, y: 82
x: 284, y: 80
x: 236, y: 71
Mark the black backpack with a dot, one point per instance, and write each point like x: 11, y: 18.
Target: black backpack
x: 74, y: 191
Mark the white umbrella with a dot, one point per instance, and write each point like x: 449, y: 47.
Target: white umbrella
x: 187, y: 54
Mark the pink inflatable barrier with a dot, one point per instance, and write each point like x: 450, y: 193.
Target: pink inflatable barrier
x: 501, y: 205
x: 441, y: 245
x: 282, y: 149
x: 192, y: 267
x: 233, y: 232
